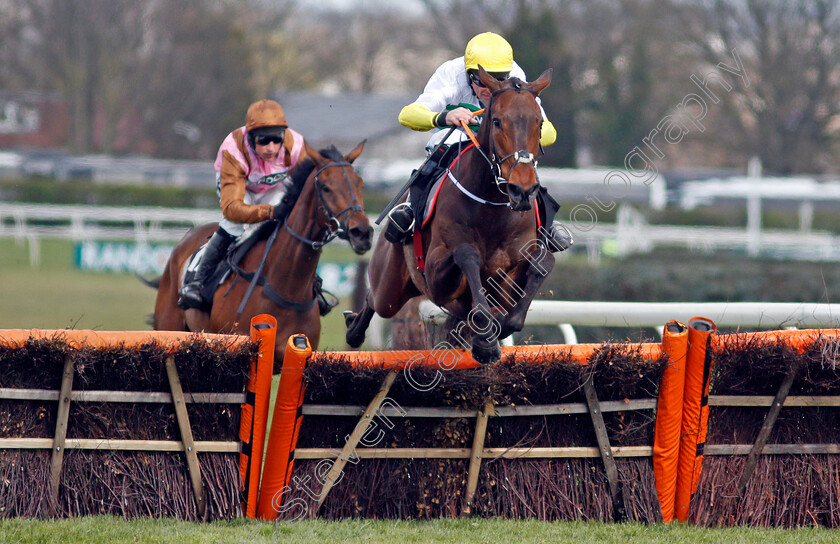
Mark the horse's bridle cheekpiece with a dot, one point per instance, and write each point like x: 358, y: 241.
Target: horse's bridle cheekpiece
x: 336, y: 222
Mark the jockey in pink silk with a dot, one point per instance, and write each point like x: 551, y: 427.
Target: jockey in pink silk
x: 253, y: 184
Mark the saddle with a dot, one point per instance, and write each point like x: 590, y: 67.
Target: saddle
x: 230, y: 264
x: 427, y: 194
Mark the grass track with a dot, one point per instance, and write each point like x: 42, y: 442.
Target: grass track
x: 56, y: 295
x: 110, y: 530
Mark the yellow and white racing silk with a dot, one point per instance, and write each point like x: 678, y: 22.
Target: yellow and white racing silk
x: 248, y: 186
x: 450, y: 86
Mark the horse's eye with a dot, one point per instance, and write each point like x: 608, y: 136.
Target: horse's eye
x: 497, y: 123
x: 325, y: 189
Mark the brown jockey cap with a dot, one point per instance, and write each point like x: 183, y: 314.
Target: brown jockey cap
x: 265, y: 113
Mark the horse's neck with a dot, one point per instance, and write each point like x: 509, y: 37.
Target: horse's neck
x: 292, y: 261
x: 476, y: 175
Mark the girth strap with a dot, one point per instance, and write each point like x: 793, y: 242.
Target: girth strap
x: 419, y: 259
x: 273, y: 295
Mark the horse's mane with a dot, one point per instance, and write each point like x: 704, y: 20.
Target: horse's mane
x: 301, y: 171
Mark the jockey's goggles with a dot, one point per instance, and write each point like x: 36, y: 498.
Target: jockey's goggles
x: 265, y: 139
x: 473, y: 75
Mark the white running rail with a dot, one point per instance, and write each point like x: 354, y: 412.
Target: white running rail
x: 141, y: 223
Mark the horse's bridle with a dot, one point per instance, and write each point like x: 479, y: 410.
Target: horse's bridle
x: 521, y: 156
x: 336, y: 222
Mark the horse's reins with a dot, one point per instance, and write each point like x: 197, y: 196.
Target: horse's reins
x: 335, y: 228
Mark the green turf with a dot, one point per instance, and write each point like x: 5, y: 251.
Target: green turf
x: 109, y: 530
x: 53, y: 294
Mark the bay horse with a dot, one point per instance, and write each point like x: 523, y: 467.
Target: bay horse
x: 481, y: 257
x: 330, y: 205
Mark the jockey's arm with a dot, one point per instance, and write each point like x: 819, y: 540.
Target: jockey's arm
x: 548, y: 134
x: 232, y: 192
x: 418, y: 117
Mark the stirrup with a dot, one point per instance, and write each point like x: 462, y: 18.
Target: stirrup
x: 558, y: 238
x: 400, y: 223
x: 325, y: 305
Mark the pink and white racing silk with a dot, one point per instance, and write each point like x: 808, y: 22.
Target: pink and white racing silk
x: 261, y: 176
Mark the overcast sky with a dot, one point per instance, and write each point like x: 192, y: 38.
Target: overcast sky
x: 391, y: 5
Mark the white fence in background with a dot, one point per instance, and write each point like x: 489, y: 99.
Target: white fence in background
x: 628, y: 235
x: 143, y: 225
x: 567, y: 314
x: 140, y: 224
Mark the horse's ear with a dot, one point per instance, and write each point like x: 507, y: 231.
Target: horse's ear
x: 313, y: 154
x: 487, y: 80
x: 353, y: 155
x: 541, y: 82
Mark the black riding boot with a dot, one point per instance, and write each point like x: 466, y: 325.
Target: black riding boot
x: 555, y: 236
x: 190, y: 293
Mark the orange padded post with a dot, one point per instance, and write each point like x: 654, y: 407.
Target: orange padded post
x: 695, y: 412
x: 669, y: 416
x: 285, y: 426
x: 255, y: 412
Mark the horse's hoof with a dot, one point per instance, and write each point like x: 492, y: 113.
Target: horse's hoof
x: 349, y: 317
x: 486, y: 353
x: 354, y: 340
x: 353, y: 337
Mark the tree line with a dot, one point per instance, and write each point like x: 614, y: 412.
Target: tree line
x: 170, y: 78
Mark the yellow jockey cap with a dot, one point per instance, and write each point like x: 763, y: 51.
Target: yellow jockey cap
x: 489, y: 50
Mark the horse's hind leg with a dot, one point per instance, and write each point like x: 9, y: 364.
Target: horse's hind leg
x: 391, y: 288
x: 485, y: 340
x: 168, y: 316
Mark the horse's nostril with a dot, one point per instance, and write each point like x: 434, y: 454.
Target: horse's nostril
x: 532, y: 192
x: 515, y: 191
x: 359, y: 233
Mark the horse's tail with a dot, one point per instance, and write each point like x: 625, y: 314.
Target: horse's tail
x: 153, y: 283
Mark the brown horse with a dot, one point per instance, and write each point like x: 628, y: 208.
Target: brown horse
x: 330, y: 205
x: 483, y: 261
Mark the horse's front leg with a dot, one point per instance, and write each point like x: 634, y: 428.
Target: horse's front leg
x: 357, y: 323
x: 539, y: 265
x: 485, y: 328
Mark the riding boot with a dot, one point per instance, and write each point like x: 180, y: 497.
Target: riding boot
x: 556, y: 237
x: 400, y: 223
x: 190, y: 293
x: 402, y: 218
x: 324, y: 305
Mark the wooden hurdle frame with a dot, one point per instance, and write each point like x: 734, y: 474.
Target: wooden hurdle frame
x: 691, y: 438
x: 59, y: 443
